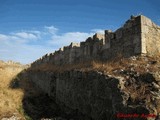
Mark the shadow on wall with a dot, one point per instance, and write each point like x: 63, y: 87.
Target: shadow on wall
x: 36, y: 105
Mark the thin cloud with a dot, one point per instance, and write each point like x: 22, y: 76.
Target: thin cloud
x: 28, y: 45
x: 51, y: 29
x: 3, y: 37
x: 26, y: 35
x: 21, y: 51
x: 67, y: 38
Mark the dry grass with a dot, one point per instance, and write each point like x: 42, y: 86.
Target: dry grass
x: 19, y: 96
x: 140, y: 64
x: 10, y: 99
x: 55, y: 68
x: 140, y: 93
x: 84, y: 66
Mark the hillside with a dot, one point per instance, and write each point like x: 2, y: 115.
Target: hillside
x: 130, y: 85
x: 108, y: 76
x: 138, y: 79
x: 20, y: 99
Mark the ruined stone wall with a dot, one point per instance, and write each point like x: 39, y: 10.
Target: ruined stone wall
x: 75, y: 52
x: 125, y: 41
x: 93, y: 93
x: 137, y: 36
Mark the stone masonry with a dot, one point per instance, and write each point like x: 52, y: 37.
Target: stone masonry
x: 95, y: 94
x: 139, y: 35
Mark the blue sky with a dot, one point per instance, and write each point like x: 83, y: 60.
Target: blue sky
x: 32, y: 28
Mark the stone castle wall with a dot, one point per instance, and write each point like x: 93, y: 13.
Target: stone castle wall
x: 137, y: 36
x: 93, y: 93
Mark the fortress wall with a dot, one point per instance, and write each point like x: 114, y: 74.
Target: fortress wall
x: 75, y: 52
x: 150, y: 36
x: 125, y: 41
x: 137, y: 36
x: 91, y: 92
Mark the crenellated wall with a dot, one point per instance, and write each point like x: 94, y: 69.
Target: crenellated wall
x: 137, y: 36
x: 93, y: 93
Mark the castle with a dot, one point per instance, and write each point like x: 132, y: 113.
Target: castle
x: 139, y: 35
x: 95, y: 94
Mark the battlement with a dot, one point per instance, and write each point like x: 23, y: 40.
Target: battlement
x: 139, y: 35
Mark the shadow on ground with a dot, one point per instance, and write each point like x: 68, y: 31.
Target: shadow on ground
x: 36, y: 105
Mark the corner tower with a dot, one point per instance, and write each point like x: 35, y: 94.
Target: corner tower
x: 150, y: 37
